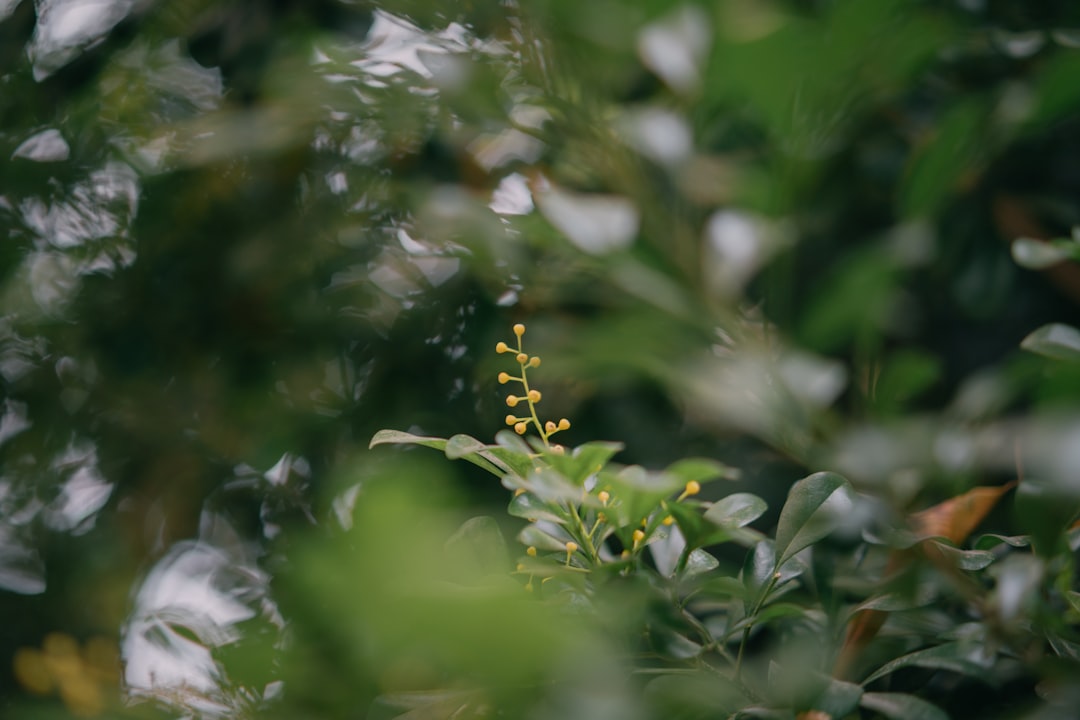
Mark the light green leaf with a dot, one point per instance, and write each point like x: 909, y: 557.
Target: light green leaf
x: 701, y: 470
x: 384, y: 437
x: 534, y: 536
x: 528, y: 506
x: 479, y: 547
x: 902, y: 707
x: 1037, y: 254
x: 699, y: 562
x: 813, y: 508
x: 1061, y: 342
x: 736, y: 510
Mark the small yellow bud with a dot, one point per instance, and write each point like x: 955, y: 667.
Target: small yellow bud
x: 534, y: 361
x: 504, y: 378
x: 519, y: 329
x: 511, y: 401
x: 693, y: 487
x: 558, y: 449
x: 571, y: 546
x: 521, y: 567
x: 564, y: 424
x: 530, y: 551
x: 668, y: 520
x: 625, y: 554
x: 511, y: 419
x: 549, y: 427
x: 534, y: 396
x: 529, y: 586
x: 519, y: 491
x: 522, y: 358
x: 520, y: 428
x: 604, y: 496
x: 639, y: 535
x: 501, y: 347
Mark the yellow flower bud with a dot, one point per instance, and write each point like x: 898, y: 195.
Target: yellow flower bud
x: 511, y: 401
x: 601, y: 517
x: 522, y: 358
x: 534, y: 361
x: 564, y: 424
x: 521, y: 567
x: 534, y: 396
x: 520, y: 428
x: 558, y: 449
x: 501, y: 347
x: 519, y: 329
x: 504, y: 378
x: 639, y: 535
x: 693, y: 487
x: 530, y: 551
x: 511, y: 419
x: 520, y: 491
x: 549, y: 427
x: 571, y: 546
x: 604, y: 496
x: 668, y: 520
x: 625, y: 554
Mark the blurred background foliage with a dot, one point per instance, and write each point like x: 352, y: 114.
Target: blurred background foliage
x: 239, y: 237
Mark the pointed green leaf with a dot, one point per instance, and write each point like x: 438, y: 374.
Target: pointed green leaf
x: 965, y: 559
x: 384, y: 437
x: 736, y: 510
x: 699, y: 562
x: 1061, y: 342
x: 701, y: 470
x: 813, y: 508
x: 584, y: 460
x: 956, y: 657
x: 838, y: 699
x: 902, y: 707
x: 528, y: 506
x: 541, y: 540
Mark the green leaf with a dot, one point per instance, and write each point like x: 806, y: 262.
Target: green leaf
x: 1039, y: 254
x: 965, y: 559
x: 478, y: 547
x: 384, y: 437
x: 701, y: 470
x: 736, y: 510
x: 699, y: 562
x: 584, y: 460
x: 1057, y: 341
x: 955, y: 656
x: 534, y: 536
x: 839, y: 698
x: 813, y: 508
x: 459, y: 446
x: 990, y: 540
x: 902, y: 707
x: 528, y: 506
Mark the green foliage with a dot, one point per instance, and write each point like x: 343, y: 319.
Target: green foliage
x: 826, y: 243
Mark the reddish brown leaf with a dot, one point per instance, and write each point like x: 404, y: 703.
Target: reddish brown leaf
x: 955, y: 518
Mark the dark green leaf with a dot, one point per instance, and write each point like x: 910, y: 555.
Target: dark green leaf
x: 956, y: 657
x: 813, y: 508
x: 902, y: 707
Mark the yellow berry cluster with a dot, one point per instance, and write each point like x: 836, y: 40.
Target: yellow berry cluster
x: 531, y: 397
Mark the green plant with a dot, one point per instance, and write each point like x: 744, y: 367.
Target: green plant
x: 843, y: 611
